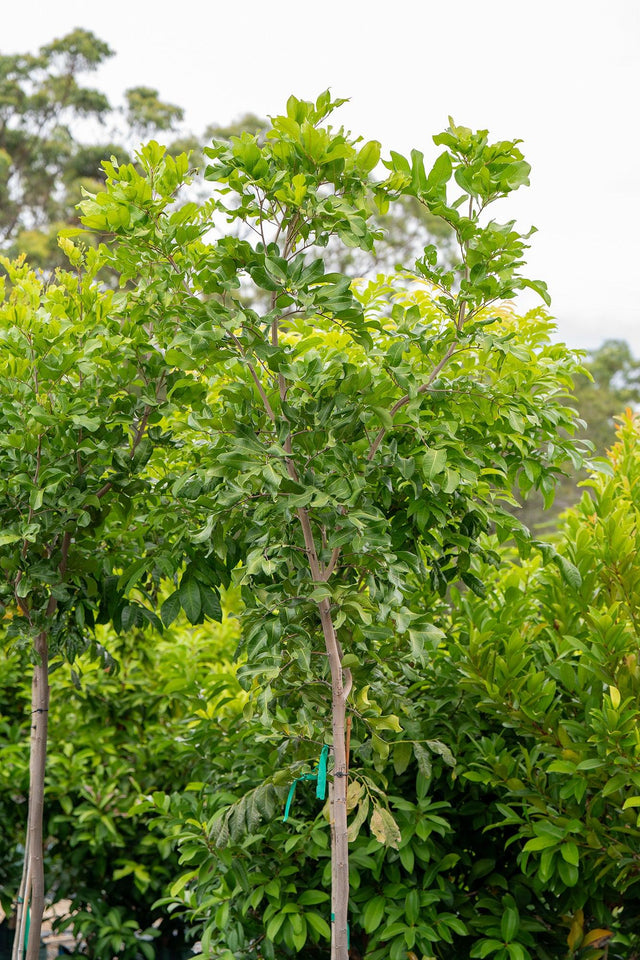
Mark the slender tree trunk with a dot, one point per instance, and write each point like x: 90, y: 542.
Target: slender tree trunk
x: 34, y: 884
x: 17, y: 953
x: 339, y: 841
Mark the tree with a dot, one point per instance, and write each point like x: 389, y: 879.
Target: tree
x: 44, y: 162
x: 608, y: 384
x: 513, y: 782
x: 612, y: 385
x: 350, y: 444
x: 82, y: 400
x: 39, y: 95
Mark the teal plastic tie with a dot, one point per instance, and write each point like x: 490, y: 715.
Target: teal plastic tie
x: 321, y: 782
x: 333, y: 920
x: 292, y: 790
x: 321, y: 788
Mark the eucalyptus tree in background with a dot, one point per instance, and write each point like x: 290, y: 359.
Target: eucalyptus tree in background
x: 81, y: 396
x: 609, y: 384
x: 48, y: 153
x: 45, y: 158
x: 353, y: 443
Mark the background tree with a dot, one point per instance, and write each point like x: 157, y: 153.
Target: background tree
x: 44, y: 160
x: 609, y: 384
x: 612, y: 385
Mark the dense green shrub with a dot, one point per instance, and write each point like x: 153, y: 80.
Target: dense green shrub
x: 115, y: 737
x: 524, y: 846
x: 528, y: 838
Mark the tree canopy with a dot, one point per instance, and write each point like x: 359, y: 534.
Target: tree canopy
x: 258, y: 419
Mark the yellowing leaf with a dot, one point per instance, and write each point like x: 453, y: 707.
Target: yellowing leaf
x: 614, y: 693
x: 577, y: 929
x: 384, y: 828
x: 597, y: 938
x: 354, y: 792
x: 354, y: 827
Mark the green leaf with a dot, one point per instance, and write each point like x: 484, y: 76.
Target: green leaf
x: 440, y: 173
x: 436, y: 746
x: 190, y: 599
x: 569, y: 873
x: 517, y: 952
x: 539, y: 287
x: 310, y: 897
x: 170, y: 608
x: 485, y: 947
x: 540, y: 843
x: 401, y: 756
x: 474, y: 583
x: 570, y: 573
x: 368, y: 156
x: 433, y: 463
x: 412, y: 906
x: 509, y: 923
x: 318, y: 923
x: 373, y: 914
x: 570, y: 853
x: 6, y: 538
x: 274, y: 925
x: 210, y: 599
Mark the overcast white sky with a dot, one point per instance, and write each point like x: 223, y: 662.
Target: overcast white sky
x: 563, y: 75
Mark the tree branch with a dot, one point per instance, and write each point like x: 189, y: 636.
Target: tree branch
x: 403, y: 401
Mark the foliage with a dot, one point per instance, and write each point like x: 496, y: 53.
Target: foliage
x: 81, y: 403
x: 486, y: 390
x: 82, y: 400
x: 115, y: 736
x: 517, y: 817
x: 353, y: 444
x: 44, y: 162
x: 560, y: 676
x: 609, y: 383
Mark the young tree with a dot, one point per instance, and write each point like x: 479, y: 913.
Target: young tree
x: 82, y: 395
x: 523, y: 847
x: 356, y: 440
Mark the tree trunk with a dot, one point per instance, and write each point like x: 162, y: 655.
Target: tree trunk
x: 17, y: 952
x: 338, y: 796
x: 34, y: 886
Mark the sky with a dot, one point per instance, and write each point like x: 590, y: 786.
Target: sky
x: 562, y: 75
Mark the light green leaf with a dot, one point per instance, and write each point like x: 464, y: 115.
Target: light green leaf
x: 433, y: 462
x: 369, y: 156
x: 6, y: 538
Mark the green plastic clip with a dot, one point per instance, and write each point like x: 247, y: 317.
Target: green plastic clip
x: 321, y: 782
x: 333, y: 920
